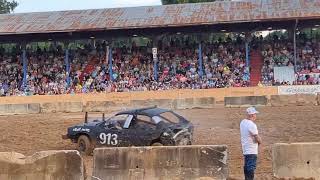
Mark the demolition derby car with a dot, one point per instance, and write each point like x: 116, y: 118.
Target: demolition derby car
x: 139, y: 127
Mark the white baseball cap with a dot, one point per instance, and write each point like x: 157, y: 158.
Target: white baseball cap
x: 252, y: 110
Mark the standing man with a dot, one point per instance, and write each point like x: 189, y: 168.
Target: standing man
x: 250, y: 140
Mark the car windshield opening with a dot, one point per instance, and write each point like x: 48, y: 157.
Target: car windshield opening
x: 167, y: 117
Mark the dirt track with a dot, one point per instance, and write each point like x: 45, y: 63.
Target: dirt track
x: 31, y: 133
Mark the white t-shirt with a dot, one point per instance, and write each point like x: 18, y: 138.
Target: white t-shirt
x: 247, y: 129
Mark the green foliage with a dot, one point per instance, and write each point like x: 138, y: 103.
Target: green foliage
x: 7, y: 6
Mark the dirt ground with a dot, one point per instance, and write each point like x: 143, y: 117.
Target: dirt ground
x: 28, y: 134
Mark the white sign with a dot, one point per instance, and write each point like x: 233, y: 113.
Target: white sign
x: 307, y: 89
x: 284, y: 74
x: 154, y: 53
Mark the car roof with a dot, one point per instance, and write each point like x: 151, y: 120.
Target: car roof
x: 149, y: 111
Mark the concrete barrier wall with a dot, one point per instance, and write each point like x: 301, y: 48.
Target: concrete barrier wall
x: 12, y: 109
x: 182, y: 103
x: 163, y: 103
x: 126, y: 97
x: 185, y: 103
x: 297, y: 160
x: 190, y: 103
x: 105, y: 106
x: 61, y: 107
x: 294, y: 100
x: 174, y: 99
x: 46, y: 165
x: 104, y: 102
x: 99, y: 106
x: 168, y: 163
x: 245, y: 101
x: 179, y: 103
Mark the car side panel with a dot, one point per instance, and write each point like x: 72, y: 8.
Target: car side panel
x: 111, y: 138
x: 143, y: 134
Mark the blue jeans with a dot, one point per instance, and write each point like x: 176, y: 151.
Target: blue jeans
x: 250, y: 163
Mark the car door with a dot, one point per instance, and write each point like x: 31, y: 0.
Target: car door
x: 112, y: 133
x: 142, y: 131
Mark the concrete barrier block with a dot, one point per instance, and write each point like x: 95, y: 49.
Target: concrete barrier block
x: 141, y: 103
x: 18, y: 108
x: 99, y: 106
x: 3, y: 109
x: 296, y: 160
x: 162, y: 162
x: 162, y: 103
x: 45, y: 165
x: 186, y: 103
x: 205, y: 102
x: 191, y: 103
x: 294, y: 100
x: 245, y: 101
x: 34, y: 108
x: 61, y: 107
x: 13, y: 109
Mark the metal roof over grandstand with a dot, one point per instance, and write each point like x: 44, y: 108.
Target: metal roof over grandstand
x: 219, y: 12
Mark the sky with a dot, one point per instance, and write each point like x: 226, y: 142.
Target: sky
x: 58, y: 5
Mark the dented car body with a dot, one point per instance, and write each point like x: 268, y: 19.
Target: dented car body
x: 138, y: 127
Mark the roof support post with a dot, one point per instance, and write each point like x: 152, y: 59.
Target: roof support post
x: 247, y: 54
x: 67, y: 64
x: 248, y: 38
x: 25, y: 66
x: 93, y: 42
x: 247, y: 42
x: 109, y: 53
x: 200, y: 59
x: 295, y: 45
x: 155, y: 57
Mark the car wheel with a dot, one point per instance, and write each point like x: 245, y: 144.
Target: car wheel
x: 184, y: 142
x: 84, y: 145
x: 157, y: 144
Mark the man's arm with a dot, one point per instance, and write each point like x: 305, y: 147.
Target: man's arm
x: 254, y: 133
x: 257, y: 139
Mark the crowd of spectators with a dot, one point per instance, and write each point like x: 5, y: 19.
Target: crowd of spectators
x: 177, y: 67
x: 133, y: 69
x: 280, y: 53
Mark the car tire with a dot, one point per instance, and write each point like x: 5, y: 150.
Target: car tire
x: 184, y: 142
x: 85, y: 145
x: 157, y: 144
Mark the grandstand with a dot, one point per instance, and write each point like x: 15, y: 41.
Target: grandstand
x: 206, y: 61
x: 108, y: 50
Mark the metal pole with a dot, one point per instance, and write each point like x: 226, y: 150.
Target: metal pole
x: 25, y: 68
x: 67, y: 66
x: 247, y: 54
x: 200, y: 60
x: 155, y: 57
x: 110, y: 64
x: 155, y: 69
x: 295, y: 46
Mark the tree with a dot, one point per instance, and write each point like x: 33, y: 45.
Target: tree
x: 164, y: 2
x: 7, y: 6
